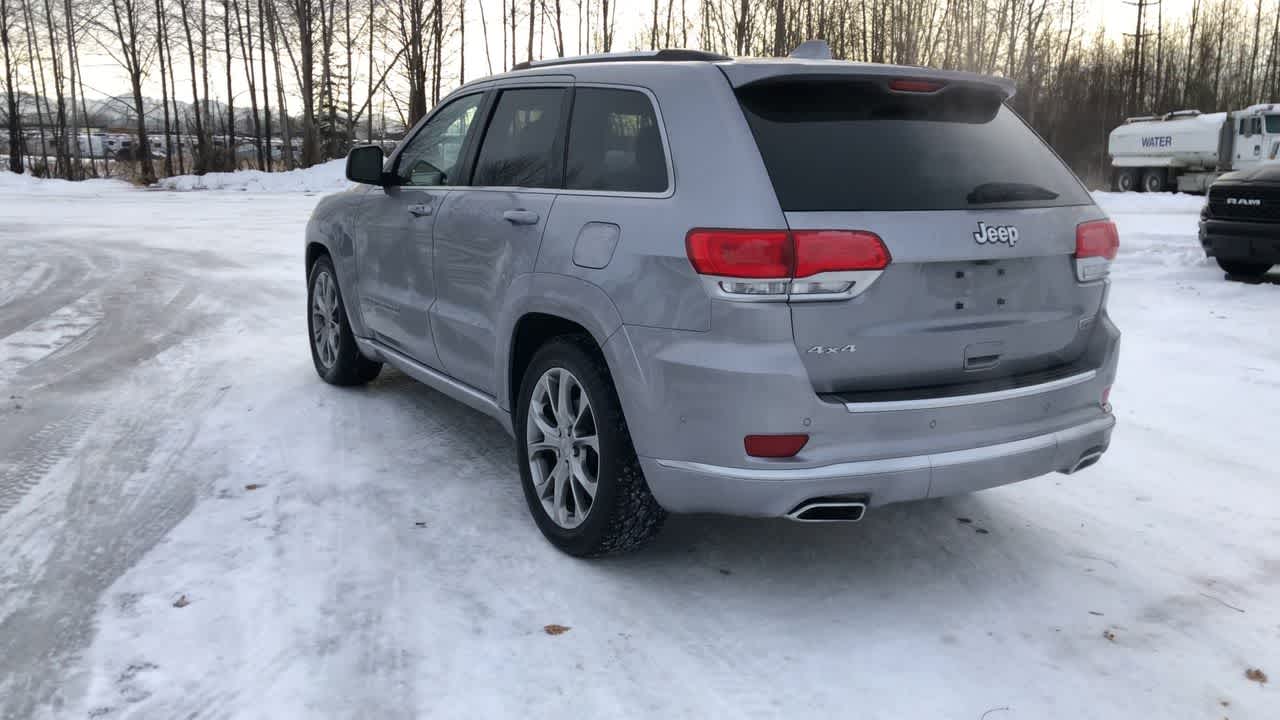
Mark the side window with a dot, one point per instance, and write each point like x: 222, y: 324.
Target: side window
x: 1244, y: 126
x: 1255, y: 126
x: 614, y: 143
x: 433, y: 156
x: 518, y: 146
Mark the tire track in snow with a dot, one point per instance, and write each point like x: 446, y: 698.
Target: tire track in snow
x: 32, y: 281
x: 50, y: 334
x: 39, y: 453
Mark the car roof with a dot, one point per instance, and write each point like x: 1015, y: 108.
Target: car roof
x: 739, y: 71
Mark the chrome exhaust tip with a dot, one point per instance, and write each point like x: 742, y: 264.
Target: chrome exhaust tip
x: 1089, y: 457
x: 828, y: 510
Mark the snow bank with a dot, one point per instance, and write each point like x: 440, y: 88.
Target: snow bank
x: 14, y: 184
x: 1135, y: 202
x: 326, y: 177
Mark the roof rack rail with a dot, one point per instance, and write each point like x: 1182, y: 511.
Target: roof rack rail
x: 669, y: 55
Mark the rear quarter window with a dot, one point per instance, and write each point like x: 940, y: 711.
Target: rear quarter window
x: 614, y: 143
x: 852, y: 145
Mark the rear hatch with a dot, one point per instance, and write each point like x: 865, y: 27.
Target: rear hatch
x: 978, y: 215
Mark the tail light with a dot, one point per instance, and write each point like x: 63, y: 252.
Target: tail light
x: 778, y: 264
x: 915, y: 86
x: 774, y: 446
x: 1096, y: 245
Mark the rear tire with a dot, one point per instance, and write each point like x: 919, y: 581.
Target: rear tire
x: 1153, y: 180
x: 622, y: 514
x: 1242, y: 268
x: 1126, y: 180
x: 333, y: 346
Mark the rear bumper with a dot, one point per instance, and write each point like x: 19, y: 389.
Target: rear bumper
x: 691, y: 397
x: 682, y: 486
x: 1236, y: 240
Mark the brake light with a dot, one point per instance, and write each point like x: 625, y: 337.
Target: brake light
x: 1097, y: 239
x: 775, y: 264
x: 741, y: 253
x: 774, y: 446
x: 1097, y: 243
x: 917, y: 86
x: 819, y: 251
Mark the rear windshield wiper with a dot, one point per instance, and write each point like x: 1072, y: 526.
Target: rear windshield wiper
x: 995, y: 192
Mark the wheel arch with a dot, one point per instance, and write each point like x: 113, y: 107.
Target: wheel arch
x: 542, y: 306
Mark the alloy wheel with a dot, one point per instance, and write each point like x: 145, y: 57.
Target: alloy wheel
x: 564, y: 448
x: 324, y: 319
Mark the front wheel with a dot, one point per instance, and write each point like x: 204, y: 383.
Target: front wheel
x: 333, y: 346
x: 581, y: 477
x: 1242, y: 268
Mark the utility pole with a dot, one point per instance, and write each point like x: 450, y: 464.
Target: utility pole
x: 1137, y: 85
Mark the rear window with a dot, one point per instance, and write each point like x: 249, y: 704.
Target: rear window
x: 518, y: 147
x: 841, y: 145
x: 614, y: 143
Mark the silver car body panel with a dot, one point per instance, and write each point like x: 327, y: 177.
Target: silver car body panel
x: 695, y: 370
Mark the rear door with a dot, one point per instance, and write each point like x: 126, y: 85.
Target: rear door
x: 489, y: 233
x: 978, y: 215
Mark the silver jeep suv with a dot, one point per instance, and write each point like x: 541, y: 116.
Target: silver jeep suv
x: 689, y: 283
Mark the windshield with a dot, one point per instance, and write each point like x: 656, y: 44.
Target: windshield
x: 1273, y: 123
x: 841, y: 145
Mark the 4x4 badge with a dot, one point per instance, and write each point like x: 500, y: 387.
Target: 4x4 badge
x: 992, y: 234
x: 828, y: 350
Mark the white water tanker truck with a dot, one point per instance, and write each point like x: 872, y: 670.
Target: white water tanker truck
x: 1187, y: 150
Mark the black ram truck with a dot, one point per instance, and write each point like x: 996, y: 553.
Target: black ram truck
x: 1240, y: 223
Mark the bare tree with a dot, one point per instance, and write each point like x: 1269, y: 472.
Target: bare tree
x: 134, y: 56
x: 201, y: 160
x: 38, y: 86
x: 11, y: 91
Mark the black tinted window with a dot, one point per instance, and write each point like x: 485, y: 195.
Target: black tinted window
x: 518, y: 146
x: 855, y: 146
x: 614, y: 143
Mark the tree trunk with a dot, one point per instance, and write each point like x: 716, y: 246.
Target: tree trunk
x: 11, y: 94
x: 246, y: 56
x: 286, y: 130
x: 780, y: 28
x: 38, y: 87
x: 200, y: 162
x: 77, y: 172
x: 162, y: 22
x: 266, y: 94
x: 232, y: 159
x: 62, y: 161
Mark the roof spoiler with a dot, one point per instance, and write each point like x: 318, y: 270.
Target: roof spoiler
x: 744, y: 72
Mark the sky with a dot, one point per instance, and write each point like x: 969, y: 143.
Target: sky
x: 104, y: 77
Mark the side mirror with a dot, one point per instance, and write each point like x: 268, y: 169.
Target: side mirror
x: 364, y: 165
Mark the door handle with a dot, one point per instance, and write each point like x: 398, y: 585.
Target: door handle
x: 520, y: 217
x: 420, y: 210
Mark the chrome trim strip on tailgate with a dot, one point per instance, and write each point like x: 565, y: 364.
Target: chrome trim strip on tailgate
x: 974, y: 399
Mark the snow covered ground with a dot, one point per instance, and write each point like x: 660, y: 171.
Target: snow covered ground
x: 193, y: 525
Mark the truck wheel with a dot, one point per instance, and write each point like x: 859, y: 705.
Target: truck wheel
x: 581, y: 477
x: 1242, y: 268
x: 1126, y: 180
x: 1153, y: 180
